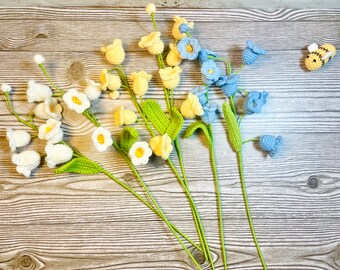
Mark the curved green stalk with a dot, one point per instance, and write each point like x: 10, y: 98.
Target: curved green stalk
x: 245, y: 198
x: 42, y: 67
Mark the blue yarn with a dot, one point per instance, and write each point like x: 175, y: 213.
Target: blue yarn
x: 183, y: 28
x: 210, y: 113
x: 270, y: 144
x: 228, y: 84
x: 204, y: 54
x: 182, y: 48
x: 254, y: 102
x: 251, y: 52
x: 200, y: 92
x: 211, y: 72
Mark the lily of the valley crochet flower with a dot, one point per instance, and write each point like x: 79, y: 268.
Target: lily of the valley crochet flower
x: 139, y: 153
x: 51, y: 131
x: 76, y: 100
x: 101, y: 138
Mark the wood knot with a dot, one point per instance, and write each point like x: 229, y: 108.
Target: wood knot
x: 76, y: 71
x: 170, y: 3
x: 313, y: 182
x: 40, y: 35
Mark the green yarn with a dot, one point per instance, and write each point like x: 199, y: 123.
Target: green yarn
x: 233, y: 128
x: 80, y: 166
x: 160, y: 121
x: 194, y: 127
x: 128, y: 137
x: 156, y: 116
x: 176, y: 124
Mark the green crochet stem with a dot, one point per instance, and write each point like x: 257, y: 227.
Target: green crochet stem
x: 245, y: 198
x: 154, y: 21
x: 183, y: 181
x: 42, y: 67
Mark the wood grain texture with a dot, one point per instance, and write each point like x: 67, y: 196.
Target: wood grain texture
x: 75, y: 222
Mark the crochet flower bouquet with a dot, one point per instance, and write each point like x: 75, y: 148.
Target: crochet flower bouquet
x: 163, y: 125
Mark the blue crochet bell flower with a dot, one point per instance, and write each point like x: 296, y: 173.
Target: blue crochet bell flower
x: 270, y: 144
x: 251, y: 52
x: 211, y: 72
x: 210, y: 113
x: 183, y: 28
x: 200, y: 92
x: 228, y: 84
x: 254, y: 102
x: 188, y: 48
x: 204, y: 54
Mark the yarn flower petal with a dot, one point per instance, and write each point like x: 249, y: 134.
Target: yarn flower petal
x: 101, y: 139
x: 173, y: 58
x: 191, y: 107
x: 270, y: 144
x: 139, y: 153
x: 176, y: 28
x: 51, y: 131
x: 17, y: 138
x: 188, y: 48
x: 211, y: 72
x: 161, y: 146
x: 6, y: 87
x: 37, y: 92
x: 254, y: 102
x: 251, y: 53
x: 76, y: 101
x: 140, y: 82
x: 26, y: 162
x: 152, y: 43
x: 124, y: 117
x: 200, y: 92
x: 92, y: 90
x: 170, y: 76
x: 228, y: 84
x: 109, y: 81
x: 57, y: 154
x: 114, y: 52
x: 210, y: 113
x: 50, y: 108
x: 204, y: 54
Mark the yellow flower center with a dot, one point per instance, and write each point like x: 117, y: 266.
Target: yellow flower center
x: 76, y: 100
x: 103, y: 78
x: 139, y: 152
x: 101, y: 139
x: 210, y: 71
x: 48, y: 129
x: 51, y: 108
x: 189, y: 48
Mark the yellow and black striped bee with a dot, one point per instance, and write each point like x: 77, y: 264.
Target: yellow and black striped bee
x: 318, y: 56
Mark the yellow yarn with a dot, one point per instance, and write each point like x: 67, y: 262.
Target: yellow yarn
x: 173, y: 58
x: 140, y: 83
x: 114, y: 52
x: 152, y: 43
x: 175, y: 29
x: 170, y: 76
x: 161, y: 146
x: 191, y: 106
x: 320, y: 56
x: 114, y: 94
x: 124, y: 117
x: 109, y: 81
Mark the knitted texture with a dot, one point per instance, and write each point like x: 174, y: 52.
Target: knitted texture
x: 196, y: 126
x: 191, y: 107
x: 319, y: 56
x: 114, y: 53
x: 170, y: 76
x: 176, y: 28
x: 233, y: 129
x: 210, y: 113
x: 200, y: 92
x: 152, y: 43
x: 204, y: 54
x: 124, y: 117
x: 161, y: 146
x: 251, y: 53
x: 80, y: 166
x: 210, y: 71
x: 175, y: 125
x: 140, y: 82
x: 184, y: 27
x: 254, y: 102
x: 128, y: 137
x: 156, y: 116
x: 173, y: 58
x: 188, y: 48
x: 228, y: 84
x: 270, y: 144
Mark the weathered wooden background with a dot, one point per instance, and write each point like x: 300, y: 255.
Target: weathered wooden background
x: 61, y: 222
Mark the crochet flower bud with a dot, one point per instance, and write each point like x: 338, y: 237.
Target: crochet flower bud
x: 170, y: 76
x: 17, y: 138
x: 161, y: 146
x: 210, y: 113
x: 150, y: 8
x: 76, y: 101
x: 114, y: 52
x: 39, y: 59
x: 251, y: 53
x: 37, y: 92
x: 139, y: 153
x: 49, y: 109
x: 191, y: 107
x: 173, y: 58
x: 109, y: 81
x: 6, y: 87
x: 140, y: 83
x: 57, y: 154
x: 101, y: 139
x: 152, y: 43
x: 176, y: 28
x: 124, y: 117
x: 270, y: 144
x: 26, y: 162
x: 114, y: 94
x: 92, y: 90
x: 51, y: 131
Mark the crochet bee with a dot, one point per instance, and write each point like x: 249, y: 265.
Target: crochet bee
x: 318, y: 56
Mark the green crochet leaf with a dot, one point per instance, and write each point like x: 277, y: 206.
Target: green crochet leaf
x: 194, y: 127
x: 176, y: 124
x: 156, y: 116
x: 128, y: 137
x: 233, y: 128
x: 81, y: 166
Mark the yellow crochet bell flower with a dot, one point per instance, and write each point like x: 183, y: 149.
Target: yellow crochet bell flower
x: 124, y: 117
x: 170, y: 76
x: 175, y: 29
x: 109, y: 81
x: 140, y: 83
x: 114, y: 52
x: 152, y: 43
x: 191, y: 106
x: 173, y: 58
x: 161, y: 146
